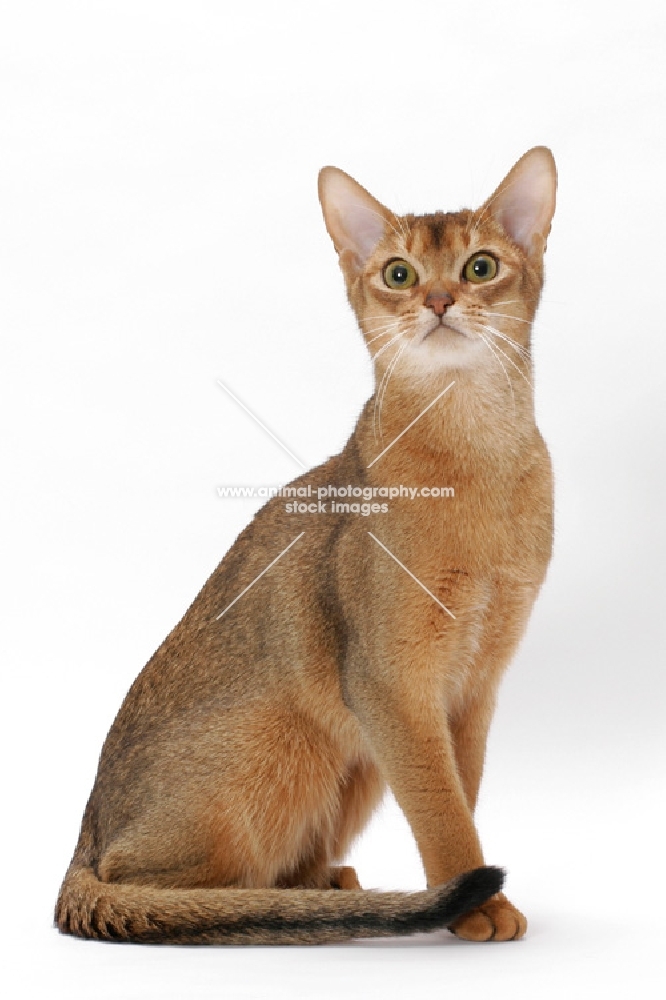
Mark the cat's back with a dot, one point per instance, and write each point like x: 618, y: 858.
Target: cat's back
x: 245, y: 632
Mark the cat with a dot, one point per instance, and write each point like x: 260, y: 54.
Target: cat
x: 331, y: 654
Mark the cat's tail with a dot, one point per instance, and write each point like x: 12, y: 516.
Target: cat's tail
x: 112, y: 911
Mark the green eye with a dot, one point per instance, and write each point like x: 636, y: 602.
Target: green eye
x: 480, y: 267
x: 399, y: 274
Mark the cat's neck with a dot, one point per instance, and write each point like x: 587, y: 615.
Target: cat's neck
x: 475, y: 429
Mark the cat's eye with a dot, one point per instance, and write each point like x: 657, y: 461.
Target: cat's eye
x: 399, y: 274
x: 480, y: 267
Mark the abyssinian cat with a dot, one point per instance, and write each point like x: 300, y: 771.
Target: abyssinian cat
x: 333, y: 653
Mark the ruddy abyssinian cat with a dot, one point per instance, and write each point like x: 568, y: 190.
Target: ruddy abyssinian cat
x: 331, y: 653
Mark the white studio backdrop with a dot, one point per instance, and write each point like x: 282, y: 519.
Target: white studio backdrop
x: 159, y: 230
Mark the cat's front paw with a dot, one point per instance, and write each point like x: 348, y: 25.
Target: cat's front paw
x: 495, y: 920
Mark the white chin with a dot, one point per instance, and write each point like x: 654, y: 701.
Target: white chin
x: 444, y: 348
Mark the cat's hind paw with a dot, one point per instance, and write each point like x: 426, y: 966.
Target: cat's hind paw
x: 344, y: 877
x: 495, y: 920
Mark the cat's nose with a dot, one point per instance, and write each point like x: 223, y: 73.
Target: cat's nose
x: 439, y: 302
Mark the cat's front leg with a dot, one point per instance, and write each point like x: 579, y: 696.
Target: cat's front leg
x: 469, y: 726
x: 409, y: 732
x: 496, y: 920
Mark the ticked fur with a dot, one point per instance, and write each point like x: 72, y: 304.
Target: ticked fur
x: 255, y: 744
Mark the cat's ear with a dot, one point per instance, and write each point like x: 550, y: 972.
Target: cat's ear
x: 524, y: 202
x: 354, y: 219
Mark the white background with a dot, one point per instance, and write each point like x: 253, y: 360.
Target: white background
x: 159, y: 230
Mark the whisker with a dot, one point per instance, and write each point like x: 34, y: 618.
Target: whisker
x: 382, y: 333
x: 375, y: 409
x: 380, y: 319
x: 376, y: 417
x: 387, y: 376
x: 404, y: 228
x: 518, y: 348
x: 499, y: 361
x: 389, y: 328
x: 527, y: 322
x: 378, y: 395
x: 510, y: 360
x: 472, y: 225
x: 387, y: 345
x: 385, y: 324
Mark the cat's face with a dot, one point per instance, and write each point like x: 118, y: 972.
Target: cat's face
x: 442, y: 291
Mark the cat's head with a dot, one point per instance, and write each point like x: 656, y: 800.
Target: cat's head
x: 448, y: 290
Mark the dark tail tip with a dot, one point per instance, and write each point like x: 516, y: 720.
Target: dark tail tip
x: 469, y: 890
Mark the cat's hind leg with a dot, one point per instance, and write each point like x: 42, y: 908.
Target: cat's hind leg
x: 360, y: 789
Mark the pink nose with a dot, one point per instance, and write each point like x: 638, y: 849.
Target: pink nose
x: 439, y: 302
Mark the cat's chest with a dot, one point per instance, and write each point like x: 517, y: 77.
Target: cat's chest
x: 477, y: 528
x: 497, y: 510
